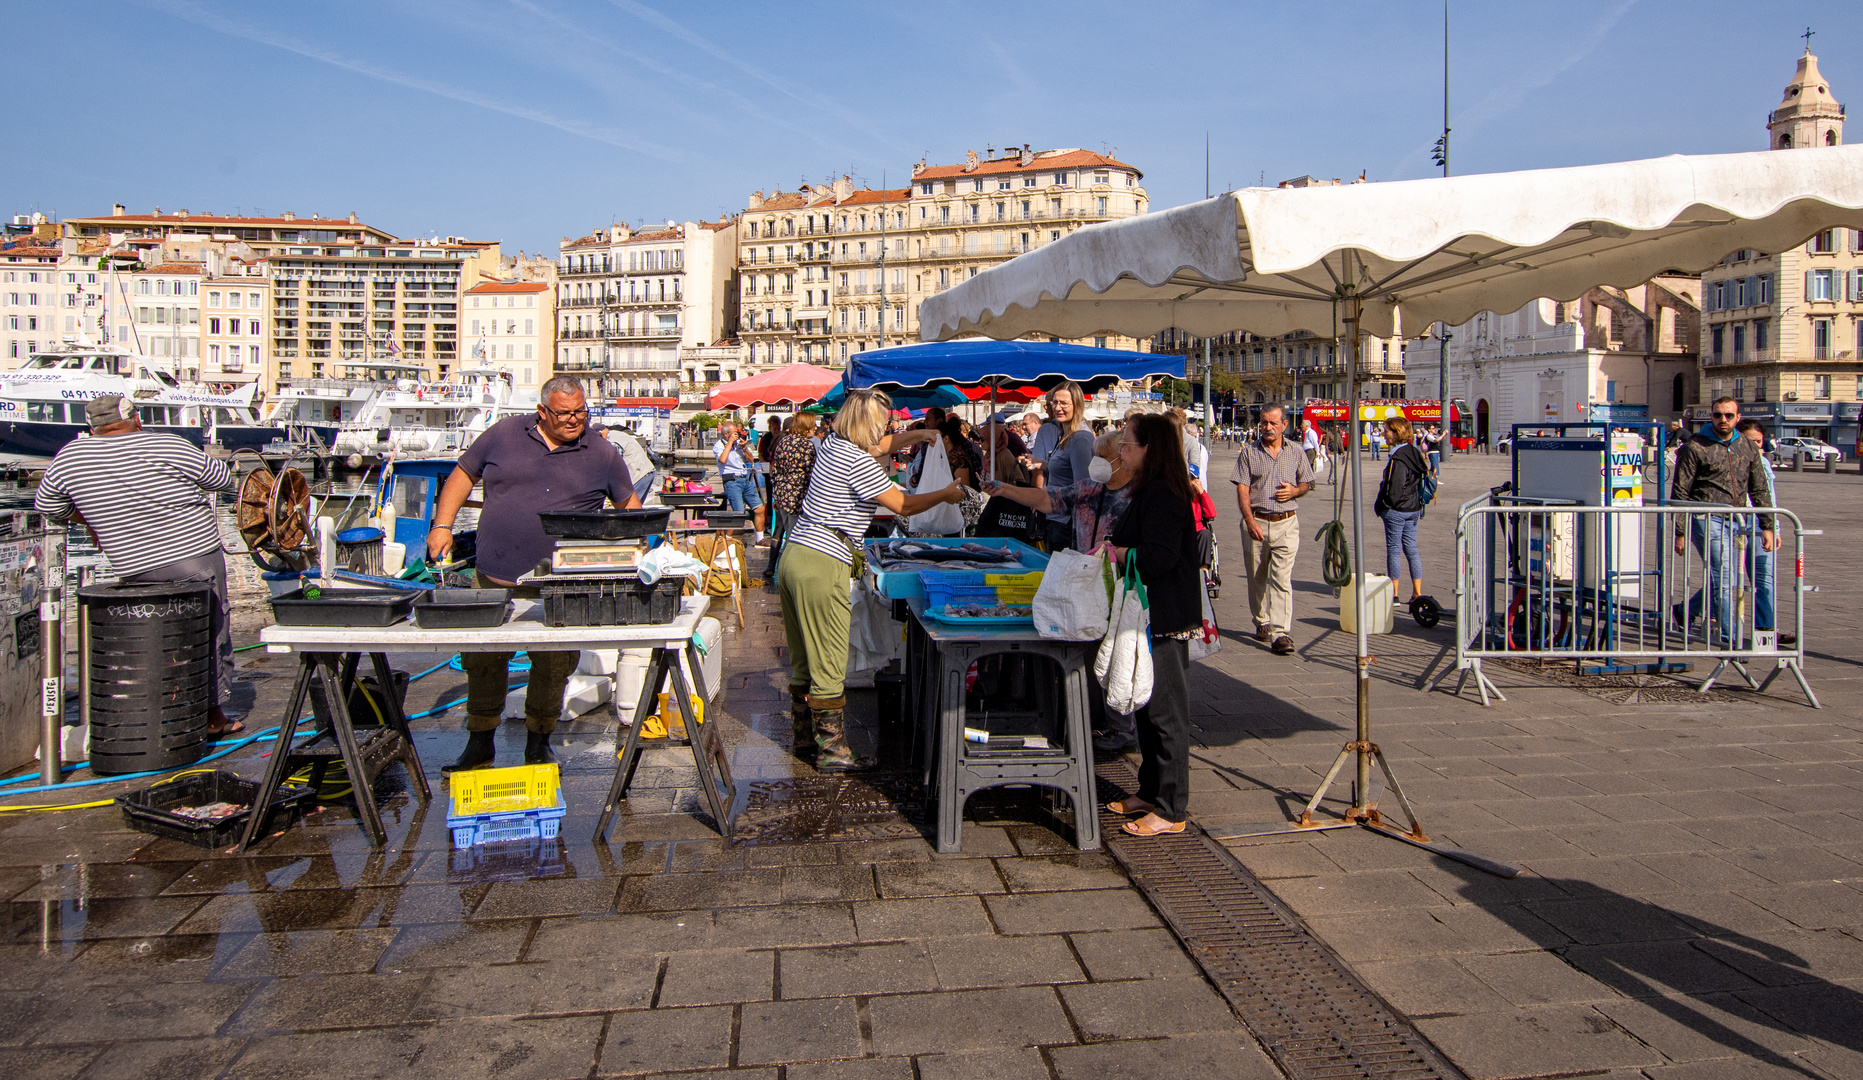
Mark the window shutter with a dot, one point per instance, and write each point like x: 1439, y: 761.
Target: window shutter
x: 1807, y: 285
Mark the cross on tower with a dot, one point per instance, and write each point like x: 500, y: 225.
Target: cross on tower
x: 1807, y: 36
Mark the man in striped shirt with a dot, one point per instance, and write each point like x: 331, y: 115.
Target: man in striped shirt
x: 147, y: 497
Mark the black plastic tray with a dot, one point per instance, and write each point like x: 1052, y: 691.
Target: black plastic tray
x: 460, y: 609
x: 151, y: 809
x: 610, y: 601
x: 728, y: 519
x: 689, y: 472
x: 605, y: 524
x: 688, y: 499
x: 344, y: 607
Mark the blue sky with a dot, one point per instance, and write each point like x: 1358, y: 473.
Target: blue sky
x: 525, y: 120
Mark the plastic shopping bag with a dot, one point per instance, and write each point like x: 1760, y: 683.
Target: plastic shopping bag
x: 945, y: 519
x: 1208, y: 640
x: 1128, y: 679
x: 1074, y: 600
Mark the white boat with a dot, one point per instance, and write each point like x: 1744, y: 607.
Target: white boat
x: 414, y: 417
x: 42, y: 402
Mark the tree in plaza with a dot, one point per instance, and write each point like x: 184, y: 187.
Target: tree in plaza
x: 1274, y: 384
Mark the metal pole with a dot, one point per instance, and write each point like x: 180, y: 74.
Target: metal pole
x: 1361, y: 792
x: 52, y: 672
x: 1209, y: 414
x: 86, y: 574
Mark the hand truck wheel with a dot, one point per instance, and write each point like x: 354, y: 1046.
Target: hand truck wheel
x: 1426, y: 611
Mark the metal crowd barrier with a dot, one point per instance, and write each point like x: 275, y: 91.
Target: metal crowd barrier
x: 1627, y: 589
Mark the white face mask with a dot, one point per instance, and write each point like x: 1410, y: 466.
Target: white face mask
x: 1099, y: 470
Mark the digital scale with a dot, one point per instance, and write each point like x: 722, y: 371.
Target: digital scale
x: 597, y: 556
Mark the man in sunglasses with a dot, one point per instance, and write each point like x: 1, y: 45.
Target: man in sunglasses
x: 1718, y: 466
x: 529, y: 465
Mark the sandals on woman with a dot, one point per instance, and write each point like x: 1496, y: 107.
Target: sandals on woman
x: 1143, y: 826
x: 1129, y: 805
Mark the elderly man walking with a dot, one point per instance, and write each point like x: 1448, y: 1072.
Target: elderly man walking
x: 529, y: 465
x: 147, y: 496
x: 1270, y: 474
x: 734, y: 455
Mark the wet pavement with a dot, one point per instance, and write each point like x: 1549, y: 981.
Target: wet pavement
x: 1692, y: 902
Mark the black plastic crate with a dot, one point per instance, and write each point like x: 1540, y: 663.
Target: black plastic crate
x: 459, y: 609
x: 344, y: 607
x: 610, y: 601
x: 151, y: 809
x: 605, y: 524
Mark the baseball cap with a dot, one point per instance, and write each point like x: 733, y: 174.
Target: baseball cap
x: 108, y: 409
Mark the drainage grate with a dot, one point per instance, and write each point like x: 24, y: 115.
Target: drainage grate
x: 1310, y: 1013
x: 1630, y: 689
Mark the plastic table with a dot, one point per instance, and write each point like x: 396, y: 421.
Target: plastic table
x: 938, y: 655
x: 331, y: 655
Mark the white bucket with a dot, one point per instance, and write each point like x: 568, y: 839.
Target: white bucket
x: 1378, y: 613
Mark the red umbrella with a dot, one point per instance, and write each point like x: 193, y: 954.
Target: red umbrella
x: 797, y: 384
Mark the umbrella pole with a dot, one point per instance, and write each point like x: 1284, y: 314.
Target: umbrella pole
x: 1363, y: 809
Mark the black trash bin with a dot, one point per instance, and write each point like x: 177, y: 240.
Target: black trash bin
x: 151, y: 674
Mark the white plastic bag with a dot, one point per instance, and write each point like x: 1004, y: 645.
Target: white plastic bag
x: 1128, y: 672
x: 945, y: 519
x: 1073, y: 602
x: 1208, y: 640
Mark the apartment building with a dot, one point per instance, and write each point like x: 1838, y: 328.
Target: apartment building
x: 630, y: 304
x: 236, y: 322
x: 165, y: 299
x: 1783, y: 333
x: 285, y: 234
x: 511, y: 325
x: 827, y: 271
x: 31, y: 301
x: 398, y: 299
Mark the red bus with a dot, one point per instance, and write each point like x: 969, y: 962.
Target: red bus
x: 1337, y: 414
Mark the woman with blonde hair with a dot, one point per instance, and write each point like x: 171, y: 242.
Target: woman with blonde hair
x: 1067, y: 462
x: 823, y: 550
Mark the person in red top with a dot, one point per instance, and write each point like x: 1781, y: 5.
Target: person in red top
x: 1203, y: 510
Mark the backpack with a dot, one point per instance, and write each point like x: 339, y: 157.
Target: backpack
x: 1426, y: 486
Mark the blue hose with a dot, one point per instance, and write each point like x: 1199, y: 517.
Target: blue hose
x: 248, y: 740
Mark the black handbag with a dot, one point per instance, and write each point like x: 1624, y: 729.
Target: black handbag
x: 1002, y: 517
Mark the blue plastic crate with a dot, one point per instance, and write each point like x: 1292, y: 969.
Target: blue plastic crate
x: 511, y: 860
x: 901, y: 584
x: 470, y: 829
x: 938, y: 593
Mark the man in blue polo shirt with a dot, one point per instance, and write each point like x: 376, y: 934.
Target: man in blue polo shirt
x: 734, y: 455
x: 529, y: 465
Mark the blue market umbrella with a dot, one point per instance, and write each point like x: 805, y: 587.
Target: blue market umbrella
x: 916, y: 398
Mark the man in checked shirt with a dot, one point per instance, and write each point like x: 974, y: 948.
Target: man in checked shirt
x: 1270, y: 474
x: 1719, y: 466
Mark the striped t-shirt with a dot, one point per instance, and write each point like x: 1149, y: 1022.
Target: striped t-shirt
x: 148, y: 494
x: 839, y: 504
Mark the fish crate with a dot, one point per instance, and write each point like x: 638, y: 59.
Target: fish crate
x: 154, y: 809
x: 515, y: 803
x: 961, y: 587
x: 609, y: 601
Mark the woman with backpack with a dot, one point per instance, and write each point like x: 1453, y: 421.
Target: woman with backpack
x: 1401, y: 498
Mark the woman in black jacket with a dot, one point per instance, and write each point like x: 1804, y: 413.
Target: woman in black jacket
x: 1401, y: 506
x: 1159, y: 526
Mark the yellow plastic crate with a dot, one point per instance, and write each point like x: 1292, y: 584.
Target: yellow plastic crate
x: 1030, y: 580
x: 499, y: 791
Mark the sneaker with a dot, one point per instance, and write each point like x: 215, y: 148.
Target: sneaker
x: 1786, y: 637
x: 1283, y: 645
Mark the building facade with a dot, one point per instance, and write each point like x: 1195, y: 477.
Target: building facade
x: 236, y: 322
x: 511, y: 325
x: 630, y: 302
x: 1783, y: 333
x: 166, y: 300
x: 31, y: 301
x: 828, y: 271
x: 1550, y: 361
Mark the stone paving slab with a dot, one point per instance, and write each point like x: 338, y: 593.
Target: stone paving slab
x: 1692, y: 901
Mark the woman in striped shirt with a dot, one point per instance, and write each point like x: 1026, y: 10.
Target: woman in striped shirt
x: 820, y: 554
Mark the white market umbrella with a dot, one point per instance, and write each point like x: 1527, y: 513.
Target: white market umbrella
x: 1273, y: 261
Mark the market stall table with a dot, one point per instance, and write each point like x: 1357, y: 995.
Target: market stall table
x: 938, y: 659
x: 331, y: 654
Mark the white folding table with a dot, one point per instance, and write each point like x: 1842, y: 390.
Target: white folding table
x: 331, y: 654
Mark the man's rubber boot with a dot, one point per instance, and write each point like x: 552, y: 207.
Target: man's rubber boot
x: 801, y: 723
x: 832, y: 753
x: 537, y: 748
x: 478, y: 754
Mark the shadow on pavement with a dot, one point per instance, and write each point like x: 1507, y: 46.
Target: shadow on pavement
x: 1682, y: 966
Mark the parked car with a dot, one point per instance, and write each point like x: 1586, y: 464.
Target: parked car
x: 1810, y: 449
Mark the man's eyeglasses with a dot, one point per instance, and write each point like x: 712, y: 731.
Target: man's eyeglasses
x: 569, y: 414
x: 1726, y: 416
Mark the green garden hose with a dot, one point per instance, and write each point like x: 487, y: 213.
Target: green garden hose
x: 1336, y: 563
